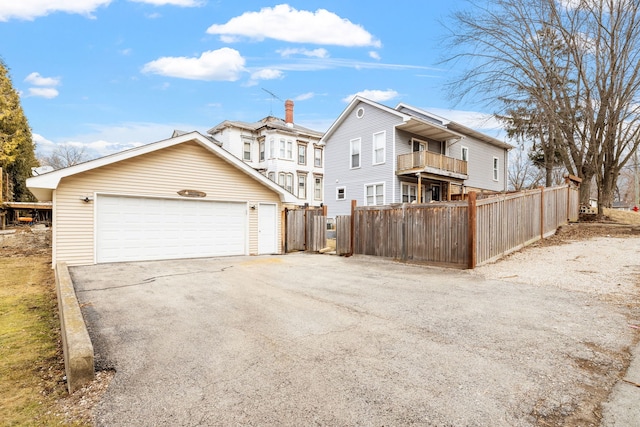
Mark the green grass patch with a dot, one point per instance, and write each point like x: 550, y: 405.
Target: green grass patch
x: 31, y: 362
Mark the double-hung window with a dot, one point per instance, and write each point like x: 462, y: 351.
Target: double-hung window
x: 262, y: 151
x: 374, y: 194
x: 495, y: 168
x: 379, y: 142
x: 409, y: 192
x: 246, y: 152
x: 290, y: 150
x: 341, y: 193
x: 355, y: 148
x: 302, y: 154
x: 317, y: 188
x: 464, y: 153
x: 302, y: 186
x: 317, y: 157
x: 282, y: 148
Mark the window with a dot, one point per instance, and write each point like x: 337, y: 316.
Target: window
x: 317, y: 157
x: 435, y: 193
x: 355, y: 153
x: 272, y: 148
x: 302, y: 186
x: 246, y: 152
x: 282, y: 148
x: 317, y: 188
x: 464, y: 154
x: 289, y: 183
x: 495, y: 168
x: 285, y: 180
x: 302, y: 154
x: 341, y: 193
x: 409, y: 192
x: 272, y: 176
x: 379, y: 141
x: 290, y: 150
x: 262, y: 151
x: 374, y: 194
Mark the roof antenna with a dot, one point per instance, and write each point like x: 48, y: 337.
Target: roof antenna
x: 273, y: 96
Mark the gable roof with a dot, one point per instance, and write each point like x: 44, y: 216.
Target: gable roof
x: 418, y: 121
x: 269, y: 122
x: 43, y: 185
x: 410, y: 123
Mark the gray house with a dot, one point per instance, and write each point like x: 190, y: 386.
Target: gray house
x: 379, y: 155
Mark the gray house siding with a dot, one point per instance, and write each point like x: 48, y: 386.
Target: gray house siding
x: 337, y: 159
x: 480, y: 163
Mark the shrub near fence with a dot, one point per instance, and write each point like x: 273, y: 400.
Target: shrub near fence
x: 457, y: 234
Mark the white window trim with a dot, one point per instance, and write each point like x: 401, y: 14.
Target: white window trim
x: 351, y: 145
x: 496, y: 169
x: 374, y: 148
x: 321, y: 178
x: 344, y: 193
x: 321, y: 151
x: 462, y: 150
x: 302, y: 178
x: 246, y: 142
x: 384, y: 196
x: 304, y: 146
x: 404, y: 185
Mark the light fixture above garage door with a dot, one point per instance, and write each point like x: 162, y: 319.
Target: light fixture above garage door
x: 192, y: 193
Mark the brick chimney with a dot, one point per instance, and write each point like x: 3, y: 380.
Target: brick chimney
x: 288, y: 110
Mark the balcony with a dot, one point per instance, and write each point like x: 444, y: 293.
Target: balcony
x: 432, y: 163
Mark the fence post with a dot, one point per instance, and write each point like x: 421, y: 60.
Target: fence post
x: 472, y: 229
x: 403, y: 236
x: 541, y: 213
x: 353, y: 226
x: 285, y: 234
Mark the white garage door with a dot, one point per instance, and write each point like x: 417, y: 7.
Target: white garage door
x: 138, y: 229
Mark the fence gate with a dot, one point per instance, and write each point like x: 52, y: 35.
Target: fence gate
x: 306, y: 230
x: 343, y: 235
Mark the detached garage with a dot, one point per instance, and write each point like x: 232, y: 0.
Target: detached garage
x: 183, y: 197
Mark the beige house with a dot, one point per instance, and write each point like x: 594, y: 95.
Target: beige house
x: 184, y: 197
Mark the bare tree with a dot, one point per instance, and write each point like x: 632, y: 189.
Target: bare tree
x: 523, y: 173
x: 565, y: 73
x: 65, y: 155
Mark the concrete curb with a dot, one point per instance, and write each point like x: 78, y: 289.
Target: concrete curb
x: 76, y: 344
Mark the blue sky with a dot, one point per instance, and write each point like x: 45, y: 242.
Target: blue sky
x: 114, y: 74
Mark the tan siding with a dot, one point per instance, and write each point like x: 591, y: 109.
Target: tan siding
x: 162, y: 173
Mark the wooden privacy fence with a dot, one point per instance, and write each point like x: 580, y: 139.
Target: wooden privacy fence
x: 456, y: 234
x: 305, y: 229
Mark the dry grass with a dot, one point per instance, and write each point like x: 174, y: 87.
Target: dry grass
x: 623, y: 217
x: 31, y: 367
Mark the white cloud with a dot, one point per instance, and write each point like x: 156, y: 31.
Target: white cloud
x: 37, y: 80
x: 304, y: 96
x: 267, y: 74
x: 283, y: 22
x: 315, y: 53
x: 31, y: 9
x: 374, y: 95
x: 181, y: 3
x: 375, y: 55
x: 126, y: 52
x: 43, y: 92
x: 223, y: 64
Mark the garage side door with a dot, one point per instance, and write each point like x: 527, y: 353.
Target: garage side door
x: 139, y: 229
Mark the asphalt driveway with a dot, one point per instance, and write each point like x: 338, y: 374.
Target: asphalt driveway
x: 307, y: 339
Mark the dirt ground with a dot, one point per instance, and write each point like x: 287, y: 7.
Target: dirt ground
x: 26, y: 242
